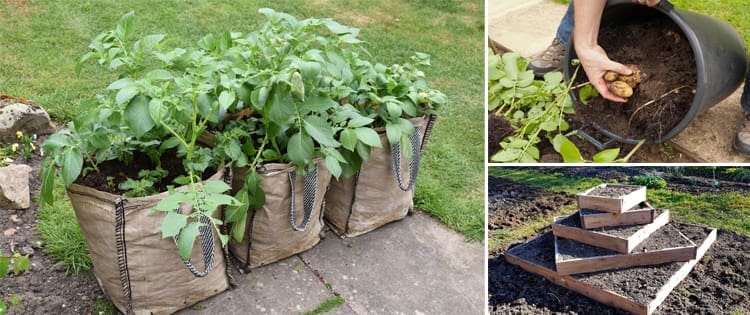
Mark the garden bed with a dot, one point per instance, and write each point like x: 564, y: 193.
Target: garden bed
x: 612, y: 197
x: 668, y: 244
x: 637, y: 289
x: 622, y: 239
x: 642, y: 213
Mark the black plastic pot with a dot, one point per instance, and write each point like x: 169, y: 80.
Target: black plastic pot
x: 720, y: 55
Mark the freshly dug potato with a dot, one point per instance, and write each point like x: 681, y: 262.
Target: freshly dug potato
x: 610, y: 76
x: 621, y: 89
x: 633, y: 79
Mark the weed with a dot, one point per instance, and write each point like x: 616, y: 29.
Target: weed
x: 650, y: 181
x: 15, y: 301
x: 327, y: 305
x: 103, y: 306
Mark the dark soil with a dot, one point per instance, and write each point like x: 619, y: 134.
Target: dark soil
x: 45, y: 288
x: 611, y: 191
x: 623, y: 232
x: 666, y: 237
x: 658, y: 47
x: 640, y: 206
x: 112, y: 173
x: 511, y: 204
x: 717, y: 285
x: 497, y: 129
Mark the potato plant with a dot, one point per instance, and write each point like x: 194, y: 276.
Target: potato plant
x: 536, y: 109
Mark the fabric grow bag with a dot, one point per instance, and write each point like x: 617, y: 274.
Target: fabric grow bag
x: 382, y: 191
x: 290, y: 222
x: 138, y: 270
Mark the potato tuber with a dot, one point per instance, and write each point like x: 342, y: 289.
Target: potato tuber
x: 621, y: 89
x: 634, y: 78
x: 610, y: 76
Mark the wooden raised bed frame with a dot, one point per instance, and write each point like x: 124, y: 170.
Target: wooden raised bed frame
x: 611, y: 298
x: 608, y: 262
x: 612, y: 242
x: 616, y: 205
x: 644, y: 214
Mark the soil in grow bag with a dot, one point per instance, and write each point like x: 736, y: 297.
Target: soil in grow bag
x: 660, y: 49
x: 497, y: 129
x: 112, y: 173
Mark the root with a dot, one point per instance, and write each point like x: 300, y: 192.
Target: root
x: 675, y: 90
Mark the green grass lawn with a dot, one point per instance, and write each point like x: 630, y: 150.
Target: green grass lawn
x: 728, y: 211
x: 42, y: 40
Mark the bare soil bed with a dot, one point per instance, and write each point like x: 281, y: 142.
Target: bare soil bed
x: 511, y: 204
x: 624, y: 231
x: 45, y: 288
x: 694, y: 184
x: 610, y: 191
x: 666, y: 237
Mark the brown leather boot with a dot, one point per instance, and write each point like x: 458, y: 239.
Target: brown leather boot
x: 550, y: 60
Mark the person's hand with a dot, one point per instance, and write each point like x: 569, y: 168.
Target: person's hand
x: 595, y: 63
x: 649, y: 3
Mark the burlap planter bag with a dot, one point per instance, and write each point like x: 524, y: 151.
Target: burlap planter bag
x: 382, y: 191
x: 141, y: 272
x: 290, y: 222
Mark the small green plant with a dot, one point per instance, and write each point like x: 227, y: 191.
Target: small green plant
x: 25, y: 147
x: 538, y: 109
x: 326, y: 306
x: 15, y: 301
x: 650, y: 181
x: 102, y: 306
x: 740, y: 174
x: 20, y: 262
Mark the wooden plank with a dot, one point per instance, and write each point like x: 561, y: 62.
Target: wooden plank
x: 616, y: 205
x: 601, y: 239
x: 604, y: 296
x: 601, y: 260
x: 642, y: 214
x: 682, y: 273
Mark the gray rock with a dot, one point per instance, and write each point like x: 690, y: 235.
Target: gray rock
x: 19, y: 114
x: 14, y: 187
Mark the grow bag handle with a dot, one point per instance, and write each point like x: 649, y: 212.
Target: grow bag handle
x: 308, y: 198
x: 205, y: 232
x: 611, y: 137
x: 413, y: 164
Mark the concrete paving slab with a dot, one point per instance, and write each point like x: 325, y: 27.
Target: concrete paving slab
x: 709, y: 137
x: 414, y: 266
x: 286, y: 287
x: 526, y: 27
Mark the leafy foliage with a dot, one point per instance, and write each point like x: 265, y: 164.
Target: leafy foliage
x: 537, y: 110
x: 292, y: 91
x: 650, y: 181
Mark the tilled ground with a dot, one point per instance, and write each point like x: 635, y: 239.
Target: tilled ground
x: 511, y: 204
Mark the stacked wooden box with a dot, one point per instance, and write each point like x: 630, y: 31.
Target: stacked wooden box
x: 615, y: 228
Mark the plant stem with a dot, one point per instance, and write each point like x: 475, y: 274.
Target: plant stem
x: 632, y: 152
